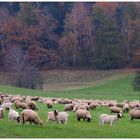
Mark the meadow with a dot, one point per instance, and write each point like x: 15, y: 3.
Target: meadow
x: 113, y: 85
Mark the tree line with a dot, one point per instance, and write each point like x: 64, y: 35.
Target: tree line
x: 99, y: 35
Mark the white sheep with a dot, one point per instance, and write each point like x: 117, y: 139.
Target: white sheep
x: 60, y: 117
x: 13, y: 115
x: 105, y: 118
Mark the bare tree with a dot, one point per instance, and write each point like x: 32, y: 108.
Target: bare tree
x: 21, y: 72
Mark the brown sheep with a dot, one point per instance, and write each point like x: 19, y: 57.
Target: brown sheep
x: 83, y: 114
x: 68, y: 107
x: 31, y: 116
x: 115, y: 109
x: 22, y: 105
x: 134, y: 114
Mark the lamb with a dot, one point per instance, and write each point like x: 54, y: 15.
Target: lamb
x: 68, y: 107
x: 22, y: 105
x: 32, y: 105
x: 105, y: 118
x: 84, y: 114
x: 134, y: 114
x: 13, y: 115
x: 60, y: 117
x: 1, y: 112
x: 115, y: 109
x: 32, y: 116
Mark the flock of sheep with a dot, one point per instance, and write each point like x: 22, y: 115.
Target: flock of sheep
x: 81, y: 107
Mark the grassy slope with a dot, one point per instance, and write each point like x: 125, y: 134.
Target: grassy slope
x: 118, y: 87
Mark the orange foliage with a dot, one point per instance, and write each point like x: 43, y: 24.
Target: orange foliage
x: 108, y: 7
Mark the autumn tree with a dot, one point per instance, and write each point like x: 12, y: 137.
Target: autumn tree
x: 109, y: 47
x: 76, y: 42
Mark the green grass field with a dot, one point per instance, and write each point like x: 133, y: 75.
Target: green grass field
x: 114, y: 86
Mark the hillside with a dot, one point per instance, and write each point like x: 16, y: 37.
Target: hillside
x: 115, y: 84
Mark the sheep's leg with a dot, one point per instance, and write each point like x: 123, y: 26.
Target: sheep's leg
x: 99, y: 123
x: 132, y: 119
x: 78, y: 119
x: 111, y: 124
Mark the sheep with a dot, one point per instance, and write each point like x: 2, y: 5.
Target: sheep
x: 68, y: 107
x: 32, y: 116
x: 6, y: 105
x: 115, y: 109
x: 0, y: 100
x: 60, y: 117
x: 84, y: 106
x: 32, y: 105
x: 119, y: 104
x: 49, y: 103
x: 126, y: 108
x: 134, y: 114
x: 92, y: 105
x: 105, y: 118
x: 75, y: 108
x: 22, y: 105
x: 1, y: 112
x: 84, y: 114
x: 13, y: 115
x: 51, y: 116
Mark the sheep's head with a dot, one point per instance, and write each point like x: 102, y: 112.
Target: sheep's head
x: 119, y: 115
x: 18, y: 119
x: 88, y: 119
x: 55, y: 112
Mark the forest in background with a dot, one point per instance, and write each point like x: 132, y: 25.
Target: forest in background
x: 98, y: 35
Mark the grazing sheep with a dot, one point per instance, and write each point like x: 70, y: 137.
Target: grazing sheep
x: 1, y: 112
x: 32, y: 105
x: 134, y: 114
x: 6, y: 105
x: 68, y: 107
x: 32, y: 116
x: 51, y: 116
x: 61, y: 117
x: 14, y: 115
x: 119, y: 105
x: 126, y: 108
x: 83, y: 114
x: 92, y: 105
x: 49, y: 103
x: 105, y: 118
x: 115, y: 109
x: 75, y: 108
x: 22, y: 105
